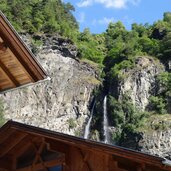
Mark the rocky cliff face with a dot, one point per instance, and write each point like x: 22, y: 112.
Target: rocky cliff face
x: 140, y: 82
x: 154, y: 138
x: 61, y: 103
x: 157, y: 143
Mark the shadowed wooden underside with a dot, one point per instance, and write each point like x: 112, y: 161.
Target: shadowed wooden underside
x: 27, y: 148
x: 17, y: 64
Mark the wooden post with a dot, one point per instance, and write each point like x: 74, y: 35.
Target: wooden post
x: 14, y: 164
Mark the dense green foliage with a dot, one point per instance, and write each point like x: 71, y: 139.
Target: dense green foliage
x: 124, y: 115
x: 91, y: 47
x: 158, y: 104
x: 41, y: 16
x: 123, y: 45
x: 115, y: 45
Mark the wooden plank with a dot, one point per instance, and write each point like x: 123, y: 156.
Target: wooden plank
x: 38, y: 157
x: 57, y: 146
x: 14, y: 164
x: 5, y: 135
x: 12, y: 142
x: 84, y: 164
x: 25, y: 143
x: 9, y: 75
x: 20, y: 64
x: 2, y: 46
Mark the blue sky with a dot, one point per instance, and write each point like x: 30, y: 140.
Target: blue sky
x: 96, y: 14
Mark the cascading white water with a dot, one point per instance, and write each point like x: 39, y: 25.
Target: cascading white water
x: 87, y: 128
x: 105, y: 121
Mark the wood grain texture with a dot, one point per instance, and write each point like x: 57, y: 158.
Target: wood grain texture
x: 18, y: 65
x: 23, y: 143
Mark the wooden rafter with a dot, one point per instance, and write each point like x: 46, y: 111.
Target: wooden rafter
x: 21, y: 65
x: 14, y: 163
x: 38, y: 163
x: 11, y: 144
x: 9, y: 76
x: 38, y: 157
x: 85, y: 160
x: 47, y: 164
x: 2, y: 46
x: 25, y: 144
x: 57, y: 146
x: 5, y: 135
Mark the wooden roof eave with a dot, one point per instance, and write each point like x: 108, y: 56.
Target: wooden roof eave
x: 20, y: 50
x: 87, y: 144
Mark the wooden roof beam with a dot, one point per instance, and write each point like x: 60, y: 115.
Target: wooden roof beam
x: 21, y: 64
x: 10, y: 77
x: 2, y: 46
x: 25, y: 144
x: 63, y: 143
x: 5, y: 135
x: 38, y: 151
x: 11, y: 144
x: 57, y: 146
x: 47, y: 164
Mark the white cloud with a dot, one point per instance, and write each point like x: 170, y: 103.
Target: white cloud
x: 85, y: 3
x: 112, y: 3
x: 109, y: 3
x: 81, y: 17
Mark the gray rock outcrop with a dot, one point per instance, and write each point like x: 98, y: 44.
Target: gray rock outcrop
x: 140, y: 82
x: 157, y: 143
x: 62, y: 103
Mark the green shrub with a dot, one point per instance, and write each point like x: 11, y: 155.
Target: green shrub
x: 165, y: 81
x: 158, y: 104
x: 116, y: 136
x: 125, y: 117
x: 78, y: 133
x: 159, y: 126
x: 71, y: 123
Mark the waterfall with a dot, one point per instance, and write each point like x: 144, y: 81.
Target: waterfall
x: 105, y: 121
x: 87, y: 128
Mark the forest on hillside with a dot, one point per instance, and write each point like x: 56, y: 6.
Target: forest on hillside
x: 114, y: 45
x: 113, y: 50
